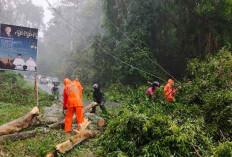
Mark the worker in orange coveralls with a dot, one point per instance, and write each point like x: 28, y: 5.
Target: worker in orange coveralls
x: 73, y: 103
x: 78, y: 85
x: 169, y: 91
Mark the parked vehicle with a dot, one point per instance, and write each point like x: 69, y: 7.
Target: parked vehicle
x: 39, y: 77
x: 49, y: 79
x: 43, y: 80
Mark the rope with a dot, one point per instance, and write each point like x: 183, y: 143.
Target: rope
x: 102, y: 47
x: 141, y: 49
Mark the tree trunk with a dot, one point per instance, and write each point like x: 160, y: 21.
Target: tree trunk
x: 75, y: 140
x: 82, y: 135
x: 20, y: 123
x: 22, y: 135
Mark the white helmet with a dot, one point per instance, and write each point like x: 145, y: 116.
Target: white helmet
x: 95, y: 86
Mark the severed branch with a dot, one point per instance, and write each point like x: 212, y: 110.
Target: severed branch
x: 20, y: 123
x: 196, y: 151
x: 60, y: 125
x: 223, y: 137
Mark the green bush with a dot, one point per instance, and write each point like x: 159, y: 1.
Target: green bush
x: 210, y: 89
x: 16, y: 91
x: 152, y: 127
x: 137, y: 134
x: 223, y: 149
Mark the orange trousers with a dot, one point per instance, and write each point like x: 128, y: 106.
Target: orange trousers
x: 69, y: 116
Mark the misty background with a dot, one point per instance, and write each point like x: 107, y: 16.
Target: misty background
x: 63, y: 50
x: 122, y: 41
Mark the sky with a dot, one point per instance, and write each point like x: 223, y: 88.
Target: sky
x: 47, y: 9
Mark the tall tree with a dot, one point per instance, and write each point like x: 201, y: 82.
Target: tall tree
x: 170, y: 32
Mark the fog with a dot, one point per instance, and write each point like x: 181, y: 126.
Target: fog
x: 66, y: 32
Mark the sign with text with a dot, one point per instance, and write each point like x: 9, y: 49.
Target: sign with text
x: 18, y: 47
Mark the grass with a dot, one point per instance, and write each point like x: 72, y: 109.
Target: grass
x: 39, y: 145
x: 18, y: 99
x: 9, y: 112
x: 42, y: 144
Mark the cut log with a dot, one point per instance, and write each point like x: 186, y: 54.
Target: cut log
x: 82, y: 135
x: 19, y: 124
x: 101, y: 123
x: 60, y: 125
x: 74, y: 140
x: 22, y: 135
x: 89, y: 107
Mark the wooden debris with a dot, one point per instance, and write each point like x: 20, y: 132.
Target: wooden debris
x: 82, y: 135
x: 196, y: 151
x: 223, y: 138
x: 51, y: 154
x: 60, y: 125
x: 20, y: 123
x: 22, y: 135
x: 90, y: 106
x: 101, y: 123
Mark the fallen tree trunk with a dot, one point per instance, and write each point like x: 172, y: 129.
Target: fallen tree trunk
x: 89, y: 107
x: 82, y: 135
x: 75, y: 140
x: 99, y: 122
x: 60, y: 125
x: 22, y: 135
x: 20, y: 123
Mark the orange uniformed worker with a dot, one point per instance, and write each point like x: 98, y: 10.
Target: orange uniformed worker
x: 78, y: 85
x: 169, y: 91
x: 73, y: 103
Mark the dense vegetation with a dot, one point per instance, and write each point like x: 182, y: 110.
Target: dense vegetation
x: 17, y: 96
x: 111, y: 40
x: 169, y: 32
x: 200, y: 116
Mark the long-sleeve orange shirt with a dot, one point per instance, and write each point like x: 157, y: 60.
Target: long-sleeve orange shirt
x: 72, y: 95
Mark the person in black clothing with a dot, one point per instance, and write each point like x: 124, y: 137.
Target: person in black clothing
x: 98, y: 97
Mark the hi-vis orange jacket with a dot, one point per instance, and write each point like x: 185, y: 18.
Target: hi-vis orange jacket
x: 169, y: 91
x: 72, y: 95
x: 78, y: 85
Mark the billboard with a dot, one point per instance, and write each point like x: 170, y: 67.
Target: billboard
x: 18, y: 47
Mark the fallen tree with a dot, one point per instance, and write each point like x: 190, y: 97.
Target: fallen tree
x: 20, y: 123
x: 82, y: 135
x: 22, y: 135
x: 60, y: 125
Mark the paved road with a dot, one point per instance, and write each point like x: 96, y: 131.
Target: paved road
x: 48, y: 88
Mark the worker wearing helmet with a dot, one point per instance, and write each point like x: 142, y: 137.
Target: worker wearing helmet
x: 99, y: 98
x: 154, y: 86
x: 169, y: 91
x: 72, y: 103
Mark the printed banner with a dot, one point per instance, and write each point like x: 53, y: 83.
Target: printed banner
x: 18, y: 47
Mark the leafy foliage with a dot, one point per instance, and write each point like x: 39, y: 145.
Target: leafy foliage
x: 16, y: 91
x: 147, y: 127
x: 169, y: 32
x: 210, y: 89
